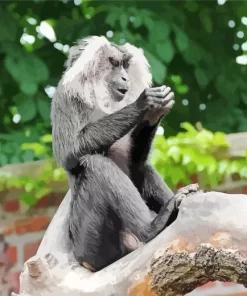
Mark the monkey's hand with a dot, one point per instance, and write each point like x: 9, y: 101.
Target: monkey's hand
x: 159, y: 101
x: 184, y: 192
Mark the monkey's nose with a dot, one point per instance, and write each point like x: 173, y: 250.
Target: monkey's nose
x: 124, y: 79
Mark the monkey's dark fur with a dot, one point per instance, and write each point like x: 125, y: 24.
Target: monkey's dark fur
x: 104, y: 117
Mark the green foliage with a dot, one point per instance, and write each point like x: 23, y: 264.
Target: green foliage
x: 194, y: 151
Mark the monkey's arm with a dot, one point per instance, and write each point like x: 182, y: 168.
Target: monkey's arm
x: 144, y: 132
x: 142, y: 136
x: 97, y: 137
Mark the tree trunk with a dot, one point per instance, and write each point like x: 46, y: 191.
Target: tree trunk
x: 207, y: 242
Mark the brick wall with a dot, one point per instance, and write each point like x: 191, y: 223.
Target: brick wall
x: 20, y: 236
x: 21, y: 233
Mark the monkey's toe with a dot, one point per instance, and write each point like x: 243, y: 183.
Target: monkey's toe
x: 130, y: 241
x: 88, y: 266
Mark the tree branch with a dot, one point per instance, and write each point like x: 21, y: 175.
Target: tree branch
x: 207, y: 242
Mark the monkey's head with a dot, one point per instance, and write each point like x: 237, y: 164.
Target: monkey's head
x: 104, y: 75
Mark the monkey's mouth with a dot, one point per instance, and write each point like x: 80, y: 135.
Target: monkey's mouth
x: 122, y: 91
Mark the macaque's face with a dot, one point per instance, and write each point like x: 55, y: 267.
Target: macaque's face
x: 117, y: 78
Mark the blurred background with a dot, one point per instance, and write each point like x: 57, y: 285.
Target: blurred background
x: 199, y: 48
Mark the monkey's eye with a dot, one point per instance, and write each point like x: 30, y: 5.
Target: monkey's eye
x: 125, y: 64
x: 113, y: 62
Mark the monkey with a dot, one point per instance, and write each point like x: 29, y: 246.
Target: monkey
x: 104, y: 116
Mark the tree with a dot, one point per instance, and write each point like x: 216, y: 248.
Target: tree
x: 202, y: 245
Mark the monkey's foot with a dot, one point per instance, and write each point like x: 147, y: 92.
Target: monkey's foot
x: 184, y: 192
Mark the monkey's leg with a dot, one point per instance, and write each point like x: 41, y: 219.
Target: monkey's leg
x: 151, y: 187
x: 156, y: 193
x: 109, y: 217
x: 95, y: 233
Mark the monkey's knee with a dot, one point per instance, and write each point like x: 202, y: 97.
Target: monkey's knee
x: 130, y: 241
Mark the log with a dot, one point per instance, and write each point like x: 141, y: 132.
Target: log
x: 207, y: 242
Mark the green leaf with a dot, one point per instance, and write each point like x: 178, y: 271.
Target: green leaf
x: 175, y: 153
x: 28, y: 198
x: 182, y: 89
x: 186, y: 159
x: 26, y: 107
x: 178, y: 175
x: 220, y: 139
x: 27, y: 156
x: 223, y: 166
x: 42, y: 192
x: 161, y: 34
x: 8, y: 28
x: 46, y: 139
x: 26, y: 68
x: 37, y: 148
x: 111, y: 18
x: 137, y: 22
x: 206, y: 21
x: 244, y: 98
x: 29, y: 88
x: 176, y: 79
x: 204, y: 136
x: 192, y: 6
x: 3, y: 159
x: 165, y: 51
x: 201, y: 77
x: 44, y: 107
x: 159, y: 71
x: 181, y: 39
x: 124, y: 20
x: 149, y: 22
x: 189, y: 128
x: 66, y: 27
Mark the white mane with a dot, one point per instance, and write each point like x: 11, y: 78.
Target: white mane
x: 83, y: 78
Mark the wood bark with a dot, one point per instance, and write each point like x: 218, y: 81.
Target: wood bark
x: 207, y: 242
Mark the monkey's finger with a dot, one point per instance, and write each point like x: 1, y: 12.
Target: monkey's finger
x: 179, y: 200
x: 170, y: 104
x: 156, y: 89
x: 168, y: 98
x: 167, y: 107
x: 159, y: 94
x: 193, y: 187
x: 189, y: 188
x: 130, y: 241
x: 154, y: 102
x: 184, y: 190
